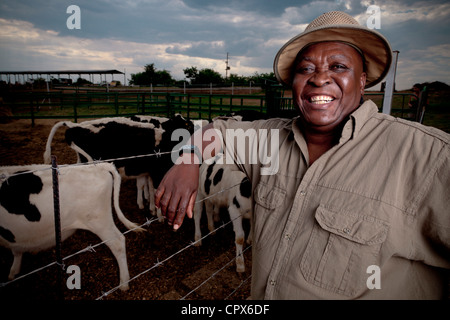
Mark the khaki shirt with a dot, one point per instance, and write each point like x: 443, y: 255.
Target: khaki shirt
x: 373, y: 211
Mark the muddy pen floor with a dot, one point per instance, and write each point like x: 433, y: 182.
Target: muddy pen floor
x: 163, y: 264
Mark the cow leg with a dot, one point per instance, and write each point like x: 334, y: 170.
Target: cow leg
x: 108, y: 232
x: 209, y: 207
x: 116, y: 244
x: 146, y: 188
x: 15, y: 268
x: 140, y: 186
x: 250, y: 234
x: 236, y: 218
x: 198, y: 208
x: 151, y: 196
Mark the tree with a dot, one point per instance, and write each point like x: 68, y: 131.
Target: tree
x: 152, y: 76
x: 191, y: 73
x: 204, y: 76
x: 209, y: 76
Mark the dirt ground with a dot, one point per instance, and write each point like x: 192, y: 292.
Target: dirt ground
x: 22, y: 144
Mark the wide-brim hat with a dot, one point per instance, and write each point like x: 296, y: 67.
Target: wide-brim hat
x: 341, y: 27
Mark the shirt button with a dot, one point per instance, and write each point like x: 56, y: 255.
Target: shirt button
x: 302, y: 193
x: 272, y: 282
x: 346, y: 230
x: 287, y: 236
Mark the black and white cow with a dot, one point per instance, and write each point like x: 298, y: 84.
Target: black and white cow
x: 224, y: 186
x: 146, y: 185
x: 85, y: 192
x: 113, y: 138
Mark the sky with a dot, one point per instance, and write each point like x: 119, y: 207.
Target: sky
x: 177, y: 34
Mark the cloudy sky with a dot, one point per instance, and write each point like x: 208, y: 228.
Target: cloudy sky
x: 176, y: 34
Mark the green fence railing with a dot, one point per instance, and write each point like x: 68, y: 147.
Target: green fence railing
x: 77, y: 105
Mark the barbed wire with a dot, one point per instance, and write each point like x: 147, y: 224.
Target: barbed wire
x: 5, y: 177
x: 214, y: 274
x: 90, y: 248
x: 238, y: 287
x: 159, y: 263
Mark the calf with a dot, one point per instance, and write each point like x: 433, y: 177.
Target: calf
x: 27, y: 214
x: 145, y: 184
x: 114, y: 138
x: 228, y: 188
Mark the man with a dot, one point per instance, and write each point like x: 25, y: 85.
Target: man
x: 359, y: 205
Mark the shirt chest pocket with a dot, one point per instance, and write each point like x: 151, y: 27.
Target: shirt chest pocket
x: 269, y: 201
x: 341, y: 248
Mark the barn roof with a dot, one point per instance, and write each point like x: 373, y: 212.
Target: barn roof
x: 64, y: 72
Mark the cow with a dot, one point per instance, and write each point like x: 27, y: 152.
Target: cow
x: 115, y: 138
x: 146, y: 185
x: 85, y: 194
x: 83, y: 156
x: 224, y: 186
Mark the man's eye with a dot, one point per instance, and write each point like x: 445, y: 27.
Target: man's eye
x: 305, y: 70
x: 338, y: 67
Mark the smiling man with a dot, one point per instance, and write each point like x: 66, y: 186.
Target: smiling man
x: 328, y: 84
x: 359, y: 206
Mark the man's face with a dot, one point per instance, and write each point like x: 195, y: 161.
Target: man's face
x: 327, y: 84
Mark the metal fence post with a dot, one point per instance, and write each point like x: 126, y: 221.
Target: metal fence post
x: 57, y: 216
x: 390, y: 84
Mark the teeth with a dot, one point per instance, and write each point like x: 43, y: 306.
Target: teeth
x: 321, y: 99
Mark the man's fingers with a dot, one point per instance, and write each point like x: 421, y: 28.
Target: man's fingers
x: 191, y: 205
x: 185, y: 206
x: 172, y: 209
x: 158, y: 194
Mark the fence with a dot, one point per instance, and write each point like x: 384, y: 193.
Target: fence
x: 59, y: 105
x: 59, y: 260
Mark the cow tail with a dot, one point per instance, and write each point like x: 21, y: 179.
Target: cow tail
x: 116, y: 193
x: 48, y: 146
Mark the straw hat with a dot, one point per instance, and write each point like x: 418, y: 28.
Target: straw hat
x: 341, y: 27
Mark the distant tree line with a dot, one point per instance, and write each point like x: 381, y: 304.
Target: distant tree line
x: 195, y: 76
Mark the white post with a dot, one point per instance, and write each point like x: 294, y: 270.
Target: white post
x: 390, y: 83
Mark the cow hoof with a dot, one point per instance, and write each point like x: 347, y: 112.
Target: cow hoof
x: 124, y: 287
x: 197, y: 241
x: 240, y: 266
x: 240, y: 269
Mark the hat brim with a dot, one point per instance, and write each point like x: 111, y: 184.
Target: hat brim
x: 376, y: 49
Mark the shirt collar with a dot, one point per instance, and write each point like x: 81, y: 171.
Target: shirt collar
x: 357, y: 119
x: 352, y: 127
x: 360, y: 116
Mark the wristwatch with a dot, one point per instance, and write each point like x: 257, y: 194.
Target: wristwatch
x: 191, y: 149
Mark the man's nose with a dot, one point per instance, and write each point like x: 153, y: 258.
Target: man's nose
x: 320, y: 78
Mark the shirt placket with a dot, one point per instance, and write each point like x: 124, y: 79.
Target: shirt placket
x: 297, y: 216
x: 288, y: 235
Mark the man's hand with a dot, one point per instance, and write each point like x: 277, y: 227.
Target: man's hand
x: 177, y: 192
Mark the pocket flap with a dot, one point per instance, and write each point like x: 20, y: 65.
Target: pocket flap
x: 359, y: 228
x: 269, y: 197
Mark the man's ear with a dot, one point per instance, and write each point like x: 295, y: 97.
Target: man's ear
x: 362, y: 81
